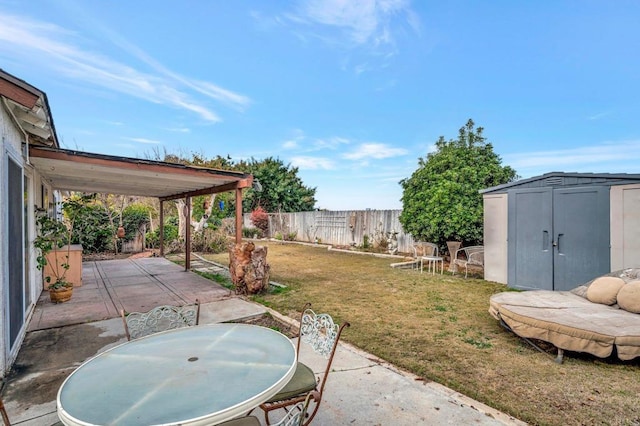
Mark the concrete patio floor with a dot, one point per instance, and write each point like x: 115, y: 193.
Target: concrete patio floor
x: 362, y: 389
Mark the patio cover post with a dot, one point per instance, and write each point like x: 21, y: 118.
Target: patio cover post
x: 238, y: 215
x: 161, y: 228
x: 187, y: 236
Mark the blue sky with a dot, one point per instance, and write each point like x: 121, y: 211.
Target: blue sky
x: 352, y: 92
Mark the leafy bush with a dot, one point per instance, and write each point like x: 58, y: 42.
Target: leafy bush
x: 210, y: 241
x: 260, y: 219
x: 170, y: 234
x: 133, y: 216
x: 92, y: 229
x: 250, y: 232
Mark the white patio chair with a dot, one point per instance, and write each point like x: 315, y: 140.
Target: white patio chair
x: 468, y: 256
x: 423, y: 249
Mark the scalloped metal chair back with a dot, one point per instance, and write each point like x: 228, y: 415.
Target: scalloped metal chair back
x: 160, y: 318
x: 322, y: 335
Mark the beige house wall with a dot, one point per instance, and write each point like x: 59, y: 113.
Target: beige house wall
x: 625, y: 226
x: 496, y: 220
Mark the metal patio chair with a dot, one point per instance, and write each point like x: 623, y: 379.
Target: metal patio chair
x: 160, y: 318
x: 423, y: 249
x: 295, y: 416
x: 3, y: 412
x: 468, y: 256
x: 322, y: 335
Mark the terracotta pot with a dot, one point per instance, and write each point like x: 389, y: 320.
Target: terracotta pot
x: 60, y: 295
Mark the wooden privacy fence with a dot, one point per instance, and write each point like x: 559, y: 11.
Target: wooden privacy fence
x: 363, y: 228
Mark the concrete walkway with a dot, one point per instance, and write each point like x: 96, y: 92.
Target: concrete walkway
x: 362, y: 390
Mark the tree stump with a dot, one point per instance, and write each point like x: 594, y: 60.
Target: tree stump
x: 249, y: 268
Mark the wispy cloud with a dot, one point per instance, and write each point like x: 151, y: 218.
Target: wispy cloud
x: 144, y: 141
x: 60, y: 50
x: 294, y: 142
x: 363, y: 21
x: 369, y: 24
x: 361, y: 68
x: 330, y: 143
x: 599, y: 115
x: 374, y: 150
x: 615, y: 157
x: 312, y: 163
x: 179, y: 129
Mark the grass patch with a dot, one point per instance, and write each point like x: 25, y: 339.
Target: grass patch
x: 223, y: 280
x: 438, y: 327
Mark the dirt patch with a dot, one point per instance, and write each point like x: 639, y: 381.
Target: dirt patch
x: 269, y: 321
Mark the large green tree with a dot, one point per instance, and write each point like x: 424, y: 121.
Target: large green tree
x: 441, y: 200
x: 282, y: 188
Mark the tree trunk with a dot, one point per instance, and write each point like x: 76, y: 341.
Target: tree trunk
x: 249, y: 268
x: 199, y: 226
x: 181, y: 205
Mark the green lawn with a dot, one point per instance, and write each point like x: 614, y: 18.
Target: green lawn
x: 438, y: 327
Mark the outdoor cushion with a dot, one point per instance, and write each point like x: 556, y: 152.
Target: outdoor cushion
x: 569, y: 322
x: 303, y: 381
x: 629, y: 297
x: 604, y: 290
x: 581, y: 291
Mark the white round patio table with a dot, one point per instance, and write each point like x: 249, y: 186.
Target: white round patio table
x: 199, y: 375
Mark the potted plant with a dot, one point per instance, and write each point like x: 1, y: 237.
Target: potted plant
x: 52, y: 236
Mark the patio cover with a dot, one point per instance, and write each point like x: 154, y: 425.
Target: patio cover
x: 88, y: 172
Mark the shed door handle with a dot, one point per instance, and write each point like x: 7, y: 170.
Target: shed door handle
x: 545, y: 240
x: 558, y: 243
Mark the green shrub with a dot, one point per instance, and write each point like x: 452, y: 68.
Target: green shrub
x: 133, y: 216
x: 250, y: 232
x: 92, y: 229
x: 210, y: 241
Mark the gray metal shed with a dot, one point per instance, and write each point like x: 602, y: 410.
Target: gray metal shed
x: 559, y: 230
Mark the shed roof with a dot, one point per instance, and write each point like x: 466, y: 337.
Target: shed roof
x: 564, y: 179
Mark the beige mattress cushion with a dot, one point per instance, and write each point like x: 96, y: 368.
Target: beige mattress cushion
x: 604, y: 290
x: 569, y: 322
x: 629, y: 297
